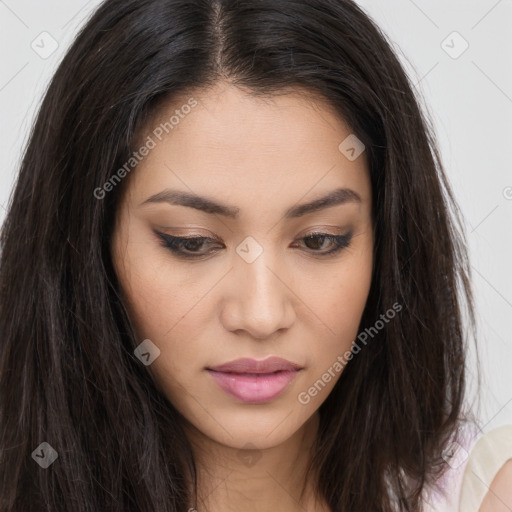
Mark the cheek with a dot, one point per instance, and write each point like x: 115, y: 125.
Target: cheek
x: 160, y: 298
x: 164, y: 307
x: 340, y: 304
x: 344, y: 291
x: 345, y: 299
x: 160, y: 293
x: 163, y: 311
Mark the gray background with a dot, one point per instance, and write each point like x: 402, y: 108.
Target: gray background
x: 468, y: 95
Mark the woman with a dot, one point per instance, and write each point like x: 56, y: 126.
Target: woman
x: 229, y: 271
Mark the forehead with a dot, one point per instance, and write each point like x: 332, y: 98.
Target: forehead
x: 238, y: 146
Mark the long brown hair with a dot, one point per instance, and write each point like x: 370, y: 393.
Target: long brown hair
x: 68, y: 374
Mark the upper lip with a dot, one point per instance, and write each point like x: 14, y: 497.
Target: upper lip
x: 248, y: 365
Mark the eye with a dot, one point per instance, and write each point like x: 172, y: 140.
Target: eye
x: 191, y: 247
x: 187, y: 247
x: 315, y: 241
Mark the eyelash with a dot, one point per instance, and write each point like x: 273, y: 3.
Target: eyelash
x: 173, y: 243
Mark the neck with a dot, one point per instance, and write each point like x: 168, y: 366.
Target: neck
x: 253, y: 480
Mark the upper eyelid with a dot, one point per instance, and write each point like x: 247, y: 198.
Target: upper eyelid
x: 308, y: 232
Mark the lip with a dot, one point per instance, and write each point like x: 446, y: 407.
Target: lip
x: 248, y: 365
x: 253, y: 381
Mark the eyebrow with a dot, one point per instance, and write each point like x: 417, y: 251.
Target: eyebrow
x: 204, y: 204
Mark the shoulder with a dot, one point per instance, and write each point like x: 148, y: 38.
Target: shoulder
x: 499, y: 496
x: 487, y: 479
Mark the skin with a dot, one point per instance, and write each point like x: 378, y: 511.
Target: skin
x: 261, y: 156
x: 499, y: 496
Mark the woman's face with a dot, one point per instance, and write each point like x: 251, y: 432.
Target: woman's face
x: 257, y: 286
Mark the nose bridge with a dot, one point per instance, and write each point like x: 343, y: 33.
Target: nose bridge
x: 261, y: 297
x: 254, y: 267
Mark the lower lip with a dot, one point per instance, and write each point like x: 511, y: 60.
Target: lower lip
x: 254, y: 388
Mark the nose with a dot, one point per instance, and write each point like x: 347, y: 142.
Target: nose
x: 259, y: 299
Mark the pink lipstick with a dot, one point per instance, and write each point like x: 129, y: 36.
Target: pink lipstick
x: 254, y: 381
